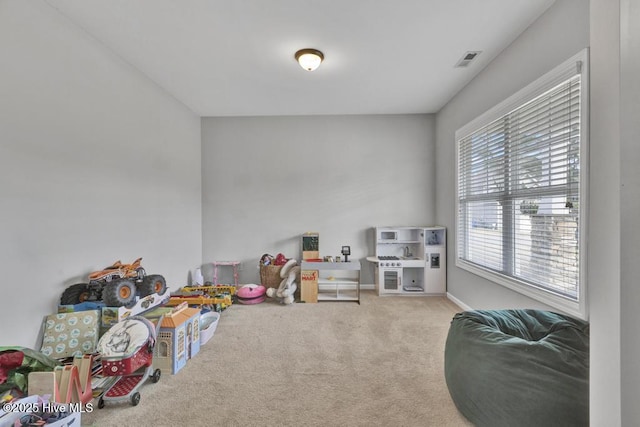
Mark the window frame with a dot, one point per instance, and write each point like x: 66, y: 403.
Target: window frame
x: 577, y: 64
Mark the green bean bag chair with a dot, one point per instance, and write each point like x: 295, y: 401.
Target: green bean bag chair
x: 518, y: 368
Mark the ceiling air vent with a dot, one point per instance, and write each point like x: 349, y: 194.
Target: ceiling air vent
x: 467, y: 58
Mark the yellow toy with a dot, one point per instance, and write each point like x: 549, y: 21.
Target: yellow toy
x: 214, y: 297
x: 212, y: 289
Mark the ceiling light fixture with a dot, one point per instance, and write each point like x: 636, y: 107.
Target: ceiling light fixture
x: 309, y: 59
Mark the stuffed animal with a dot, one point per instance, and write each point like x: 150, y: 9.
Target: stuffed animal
x: 288, y: 285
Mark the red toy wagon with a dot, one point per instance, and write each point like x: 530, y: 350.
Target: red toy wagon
x: 127, y: 352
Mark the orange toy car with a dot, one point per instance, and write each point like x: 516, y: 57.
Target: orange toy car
x: 116, y: 285
x: 119, y: 270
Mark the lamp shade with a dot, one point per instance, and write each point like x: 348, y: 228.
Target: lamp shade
x: 309, y: 59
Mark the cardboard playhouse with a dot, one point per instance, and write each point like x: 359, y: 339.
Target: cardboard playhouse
x: 178, y: 338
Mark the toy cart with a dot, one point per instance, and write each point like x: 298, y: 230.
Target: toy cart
x: 127, y: 352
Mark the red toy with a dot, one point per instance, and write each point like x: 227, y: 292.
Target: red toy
x: 280, y: 259
x: 127, y: 352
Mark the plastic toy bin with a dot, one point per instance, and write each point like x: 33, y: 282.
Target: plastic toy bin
x: 208, y: 325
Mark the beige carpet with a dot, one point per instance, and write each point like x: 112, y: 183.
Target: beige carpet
x: 380, y: 363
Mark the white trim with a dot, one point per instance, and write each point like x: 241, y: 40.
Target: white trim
x: 584, y: 185
x: 577, y: 64
x: 563, y: 304
x: 459, y: 303
x: 548, y: 81
x: 346, y: 287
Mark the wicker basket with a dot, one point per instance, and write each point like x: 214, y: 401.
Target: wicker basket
x: 270, y: 275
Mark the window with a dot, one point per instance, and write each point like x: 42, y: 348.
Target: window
x: 196, y: 330
x: 181, y: 346
x: 165, y: 339
x: 521, y: 189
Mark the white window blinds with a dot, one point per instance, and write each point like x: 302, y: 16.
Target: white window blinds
x: 519, y: 189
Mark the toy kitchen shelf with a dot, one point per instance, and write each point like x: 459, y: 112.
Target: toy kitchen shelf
x: 330, y: 281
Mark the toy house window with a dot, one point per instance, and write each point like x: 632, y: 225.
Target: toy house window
x: 196, y: 330
x: 165, y: 339
x: 164, y: 349
x: 181, y: 347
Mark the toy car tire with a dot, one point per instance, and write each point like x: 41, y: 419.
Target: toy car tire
x: 153, y: 284
x: 75, y: 294
x: 135, y: 399
x: 156, y: 376
x: 119, y: 293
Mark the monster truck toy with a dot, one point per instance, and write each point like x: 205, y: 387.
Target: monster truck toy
x: 116, y: 285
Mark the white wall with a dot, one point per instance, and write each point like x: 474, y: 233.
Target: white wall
x: 267, y: 180
x: 630, y: 206
x: 96, y: 164
x: 610, y: 28
x: 604, y: 214
x: 614, y: 232
x: 562, y: 31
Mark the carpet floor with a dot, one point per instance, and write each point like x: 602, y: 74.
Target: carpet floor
x: 380, y: 363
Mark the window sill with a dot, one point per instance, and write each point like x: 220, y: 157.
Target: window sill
x: 564, y: 304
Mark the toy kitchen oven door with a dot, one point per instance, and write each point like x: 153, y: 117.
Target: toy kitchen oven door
x: 388, y: 279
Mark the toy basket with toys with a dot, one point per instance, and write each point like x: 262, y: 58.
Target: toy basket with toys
x: 270, y: 267
x: 270, y: 275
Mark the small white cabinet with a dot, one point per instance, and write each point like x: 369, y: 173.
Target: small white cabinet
x: 330, y: 281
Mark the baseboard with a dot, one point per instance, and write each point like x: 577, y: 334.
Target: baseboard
x: 459, y: 303
x: 363, y: 287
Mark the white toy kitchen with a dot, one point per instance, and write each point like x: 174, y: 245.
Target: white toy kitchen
x: 410, y: 260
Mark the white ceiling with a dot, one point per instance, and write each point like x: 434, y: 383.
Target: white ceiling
x: 235, y: 57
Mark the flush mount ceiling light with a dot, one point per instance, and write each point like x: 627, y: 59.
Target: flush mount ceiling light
x: 309, y: 59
